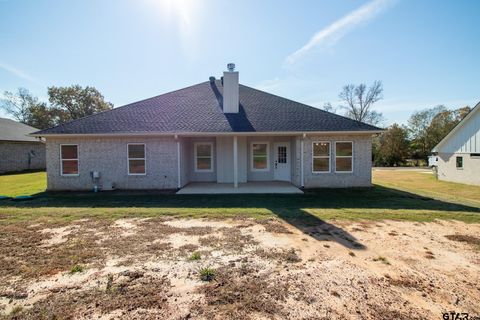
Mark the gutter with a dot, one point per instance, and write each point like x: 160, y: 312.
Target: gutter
x: 193, y: 134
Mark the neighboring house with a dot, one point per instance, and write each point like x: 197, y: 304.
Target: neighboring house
x: 19, y: 151
x: 459, y: 152
x: 216, y: 131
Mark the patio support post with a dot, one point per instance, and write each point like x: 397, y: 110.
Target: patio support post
x: 179, y: 183
x: 302, y: 182
x: 235, y: 162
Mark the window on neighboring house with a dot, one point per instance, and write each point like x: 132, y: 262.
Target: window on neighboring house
x: 136, y: 159
x: 260, y: 158
x: 69, y: 159
x: 203, y: 157
x: 343, y: 156
x: 321, y: 156
x: 459, y: 162
x: 475, y: 155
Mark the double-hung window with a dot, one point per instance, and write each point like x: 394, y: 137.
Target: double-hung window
x: 69, y: 159
x: 203, y: 157
x: 136, y: 159
x: 344, y: 156
x: 320, y: 157
x: 260, y: 157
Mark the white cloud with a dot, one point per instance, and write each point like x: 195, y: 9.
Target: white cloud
x: 329, y: 35
x: 269, y: 85
x: 16, y: 72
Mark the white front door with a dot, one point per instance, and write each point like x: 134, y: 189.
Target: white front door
x: 281, y: 164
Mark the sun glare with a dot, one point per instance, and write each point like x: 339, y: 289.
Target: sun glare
x: 183, y: 12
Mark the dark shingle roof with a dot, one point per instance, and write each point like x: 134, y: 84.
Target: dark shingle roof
x: 15, y: 131
x: 199, y: 109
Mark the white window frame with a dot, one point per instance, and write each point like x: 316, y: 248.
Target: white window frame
x: 323, y: 157
x: 144, y: 159
x: 252, y: 168
x: 195, y: 156
x: 352, y: 156
x: 77, y: 159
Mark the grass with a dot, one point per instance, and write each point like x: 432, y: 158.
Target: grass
x: 13, y: 185
x: 382, y: 260
x: 207, y: 274
x: 76, y: 269
x: 427, y: 185
x: 396, y: 195
x: 195, y: 256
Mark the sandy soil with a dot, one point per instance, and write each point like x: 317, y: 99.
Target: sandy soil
x: 141, y: 268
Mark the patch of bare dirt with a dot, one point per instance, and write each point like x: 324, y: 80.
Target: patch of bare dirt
x: 127, y: 291
x: 274, y: 226
x: 464, y: 238
x: 241, y: 293
x: 147, y: 269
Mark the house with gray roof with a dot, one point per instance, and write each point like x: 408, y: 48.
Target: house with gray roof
x: 215, y: 136
x: 18, y: 150
x: 459, y: 152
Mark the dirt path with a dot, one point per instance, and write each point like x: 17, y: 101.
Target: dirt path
x: 142, y: 269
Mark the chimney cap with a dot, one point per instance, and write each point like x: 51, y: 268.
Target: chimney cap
x: 231, y: 67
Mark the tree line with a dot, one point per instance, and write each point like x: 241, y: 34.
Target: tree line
x: 398, y: 143
x: 65, y: 104
x: 415, y: 141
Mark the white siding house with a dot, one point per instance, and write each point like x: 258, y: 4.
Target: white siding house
x: 459, y: 151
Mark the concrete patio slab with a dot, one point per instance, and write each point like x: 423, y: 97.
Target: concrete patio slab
x: 256, y: 187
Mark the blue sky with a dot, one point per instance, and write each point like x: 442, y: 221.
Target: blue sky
x: 425, y: 52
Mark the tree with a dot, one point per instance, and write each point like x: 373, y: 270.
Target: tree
x: 75, y: 102
x: 67, y: 103
x: 391, y: 148
x: 19, y: 104
x: 329, y: 108
x: 359, y: 101
x: 429, y: 126
x: 418, y: 125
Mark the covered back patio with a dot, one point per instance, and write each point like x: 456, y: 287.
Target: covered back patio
x: 240, y: 163
x: 257, y: 187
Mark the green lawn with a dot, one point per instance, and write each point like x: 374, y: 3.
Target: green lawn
x: 396, y: 195
x: 427, y: 185
x: 13, y: 185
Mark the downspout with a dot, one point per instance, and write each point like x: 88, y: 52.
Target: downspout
x: 302, y: 178
x: 179, y: 184
x: 235, y: 162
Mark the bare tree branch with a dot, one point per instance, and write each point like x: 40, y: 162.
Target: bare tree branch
x: 359, y: 101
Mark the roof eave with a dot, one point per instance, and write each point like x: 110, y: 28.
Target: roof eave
x: 120, y: 134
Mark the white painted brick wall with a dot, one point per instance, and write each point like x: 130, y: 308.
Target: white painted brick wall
x: 362, y: 163
x: 109, y: 156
